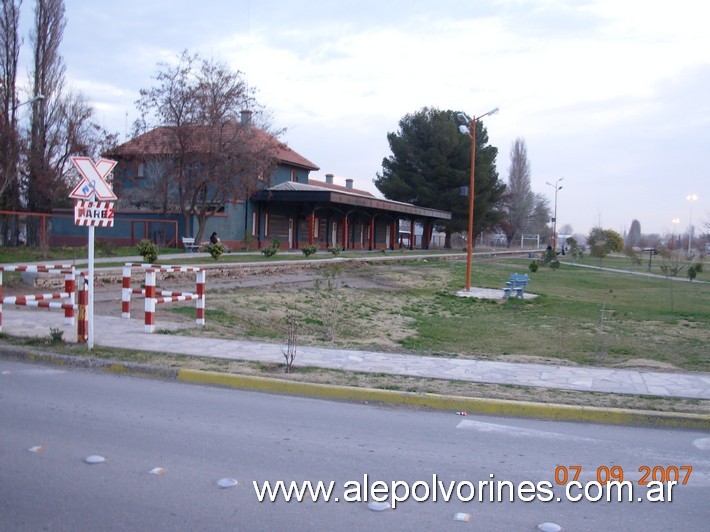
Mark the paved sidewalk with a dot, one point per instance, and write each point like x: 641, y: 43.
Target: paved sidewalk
x: 129, y: 334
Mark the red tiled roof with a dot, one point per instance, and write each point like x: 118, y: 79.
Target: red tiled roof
x: 162, y: 141
x: 287, y: 155
x: 340, y: 188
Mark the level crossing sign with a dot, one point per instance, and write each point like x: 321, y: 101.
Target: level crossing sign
x: 93, y: 179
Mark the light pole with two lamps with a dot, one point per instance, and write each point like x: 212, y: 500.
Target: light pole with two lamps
x: 554, y: 219
x: 691, y: 198
x: 467, y: 126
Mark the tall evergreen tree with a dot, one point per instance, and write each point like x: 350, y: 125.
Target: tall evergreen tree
x: 430, y: 167
x: 48, y: 80
x: 9, y: 134
x: 520, y: 199
x: 634, y: 235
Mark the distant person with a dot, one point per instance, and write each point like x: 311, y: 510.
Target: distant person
x: 214, y: 239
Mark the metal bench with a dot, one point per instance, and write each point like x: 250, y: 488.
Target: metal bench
x: 189, y: 244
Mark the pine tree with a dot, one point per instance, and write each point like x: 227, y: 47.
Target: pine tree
x: 430, y: 167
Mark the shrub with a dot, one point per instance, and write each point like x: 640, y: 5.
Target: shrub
x: 554, y: 264
x: 533, y: 266
x: 633, y: 256
x: 574, y: 249
x: 248, y: 240
x: 216, y: 250
x: 272, y: 249
x: 148, y: 251
x: 56, y: 335
x: 694, y: 270
x: 309, y: 249
x: 335, y: 250
x: 549, y: 256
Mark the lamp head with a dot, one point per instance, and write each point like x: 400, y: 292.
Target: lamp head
x: 464, y: 130
x: 462, y: 119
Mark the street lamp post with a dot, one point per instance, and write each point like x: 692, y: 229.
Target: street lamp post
x: 467, y: 126
x: 675, y: 222
x: 554, y: 219
x: 691, y: 198
x: 32, y: 100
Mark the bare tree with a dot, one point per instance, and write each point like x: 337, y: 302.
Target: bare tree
x: 75, y: 133
x: 540, y: 216
x: 214, y: 157
x: 290, y: 349
x: 520, y: 199
x: 155, y: 191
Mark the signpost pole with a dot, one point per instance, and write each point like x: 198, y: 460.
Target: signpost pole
x: 90, y: 307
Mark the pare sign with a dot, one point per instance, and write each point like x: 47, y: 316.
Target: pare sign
x: 93, y: 213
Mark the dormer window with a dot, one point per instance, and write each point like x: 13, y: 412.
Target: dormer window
x: 294, y: 176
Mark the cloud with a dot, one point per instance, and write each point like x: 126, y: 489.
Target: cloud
x: 608, y: 94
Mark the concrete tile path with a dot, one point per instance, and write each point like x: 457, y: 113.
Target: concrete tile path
x: 129, y: 334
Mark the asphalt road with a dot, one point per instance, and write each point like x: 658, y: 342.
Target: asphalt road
x: 51, y: 420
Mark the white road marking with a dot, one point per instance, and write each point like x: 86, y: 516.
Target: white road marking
x: 493, y: 428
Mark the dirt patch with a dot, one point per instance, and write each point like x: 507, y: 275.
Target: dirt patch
x: 647, y: 364
x: 530, y: 359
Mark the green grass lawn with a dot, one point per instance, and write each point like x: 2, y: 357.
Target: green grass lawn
x: 648, y: 319
x: 622, y: 262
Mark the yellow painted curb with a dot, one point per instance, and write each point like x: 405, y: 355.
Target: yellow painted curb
x: 497, y: 407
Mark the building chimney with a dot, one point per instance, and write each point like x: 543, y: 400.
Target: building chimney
x: 246, y: 117
x: 349, y: 183
x: 329, y: 178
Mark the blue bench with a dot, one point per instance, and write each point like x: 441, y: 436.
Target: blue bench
x: 516, y: 285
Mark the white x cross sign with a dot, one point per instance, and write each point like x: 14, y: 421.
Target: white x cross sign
x: 93, y: 179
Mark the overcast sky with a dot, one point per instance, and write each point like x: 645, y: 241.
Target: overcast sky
x: 613, y: 96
